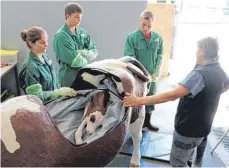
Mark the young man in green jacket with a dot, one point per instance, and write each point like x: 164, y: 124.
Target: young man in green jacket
x: 72, y: 45
x: 147, y: 47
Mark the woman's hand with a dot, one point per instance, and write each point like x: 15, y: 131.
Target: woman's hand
x: 131, y: 100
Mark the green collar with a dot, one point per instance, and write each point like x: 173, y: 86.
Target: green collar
x: 142, y: 37
x: 67, y: 29
x: 140, y: 34
x: 37, y: 60
x: 69, y: 32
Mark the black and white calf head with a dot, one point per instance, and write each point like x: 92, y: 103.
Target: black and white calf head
x: 94, y: 120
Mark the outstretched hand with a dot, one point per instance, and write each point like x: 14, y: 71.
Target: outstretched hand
x: 131, y: 100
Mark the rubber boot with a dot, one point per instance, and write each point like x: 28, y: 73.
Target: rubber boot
x: 148, y: 124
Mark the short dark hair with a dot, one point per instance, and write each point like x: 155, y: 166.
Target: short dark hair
x: 32, y: 34
x: 71, y: 8
x: 210, y: 46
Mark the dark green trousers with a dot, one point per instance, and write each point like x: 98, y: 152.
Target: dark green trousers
x: 150, y: 108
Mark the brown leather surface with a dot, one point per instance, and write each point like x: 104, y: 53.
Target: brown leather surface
x: 42, y: 144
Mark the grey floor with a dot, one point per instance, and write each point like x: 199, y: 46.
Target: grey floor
x: 123, y: 161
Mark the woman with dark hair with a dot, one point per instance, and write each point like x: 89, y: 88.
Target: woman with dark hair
x: 37, y: 75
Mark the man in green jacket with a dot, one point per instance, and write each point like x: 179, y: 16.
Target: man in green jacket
x: 72, y: 45
x: 147, y: 47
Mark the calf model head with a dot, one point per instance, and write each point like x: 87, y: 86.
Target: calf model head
x: 95, y: 111
x: 94, y: 120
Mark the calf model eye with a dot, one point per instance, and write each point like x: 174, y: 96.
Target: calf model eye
x: 92, y: 118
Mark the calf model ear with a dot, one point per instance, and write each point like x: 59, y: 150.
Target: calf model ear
x: 86, y: 110
x: 106, y: 98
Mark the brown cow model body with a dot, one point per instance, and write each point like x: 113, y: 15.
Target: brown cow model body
x: 30, y: 138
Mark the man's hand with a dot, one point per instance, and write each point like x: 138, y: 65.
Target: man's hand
x: 82, y: 52
x: 131, y: 100
x: 65, y: 91
x: 154, y: 77
x: 225, y: 88
x: 88, y: 54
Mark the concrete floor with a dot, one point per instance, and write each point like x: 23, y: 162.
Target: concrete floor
x: 123, y: 161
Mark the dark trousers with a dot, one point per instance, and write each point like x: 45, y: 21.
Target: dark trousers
x: 152, y: 91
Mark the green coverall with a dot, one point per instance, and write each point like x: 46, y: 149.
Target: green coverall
x: 39, y: 78
x: 149, y: 53
x: 72, y: 53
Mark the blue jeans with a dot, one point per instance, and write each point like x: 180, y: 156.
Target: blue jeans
x: 182, y: 149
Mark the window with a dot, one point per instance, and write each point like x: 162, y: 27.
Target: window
x: 162, y: 1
